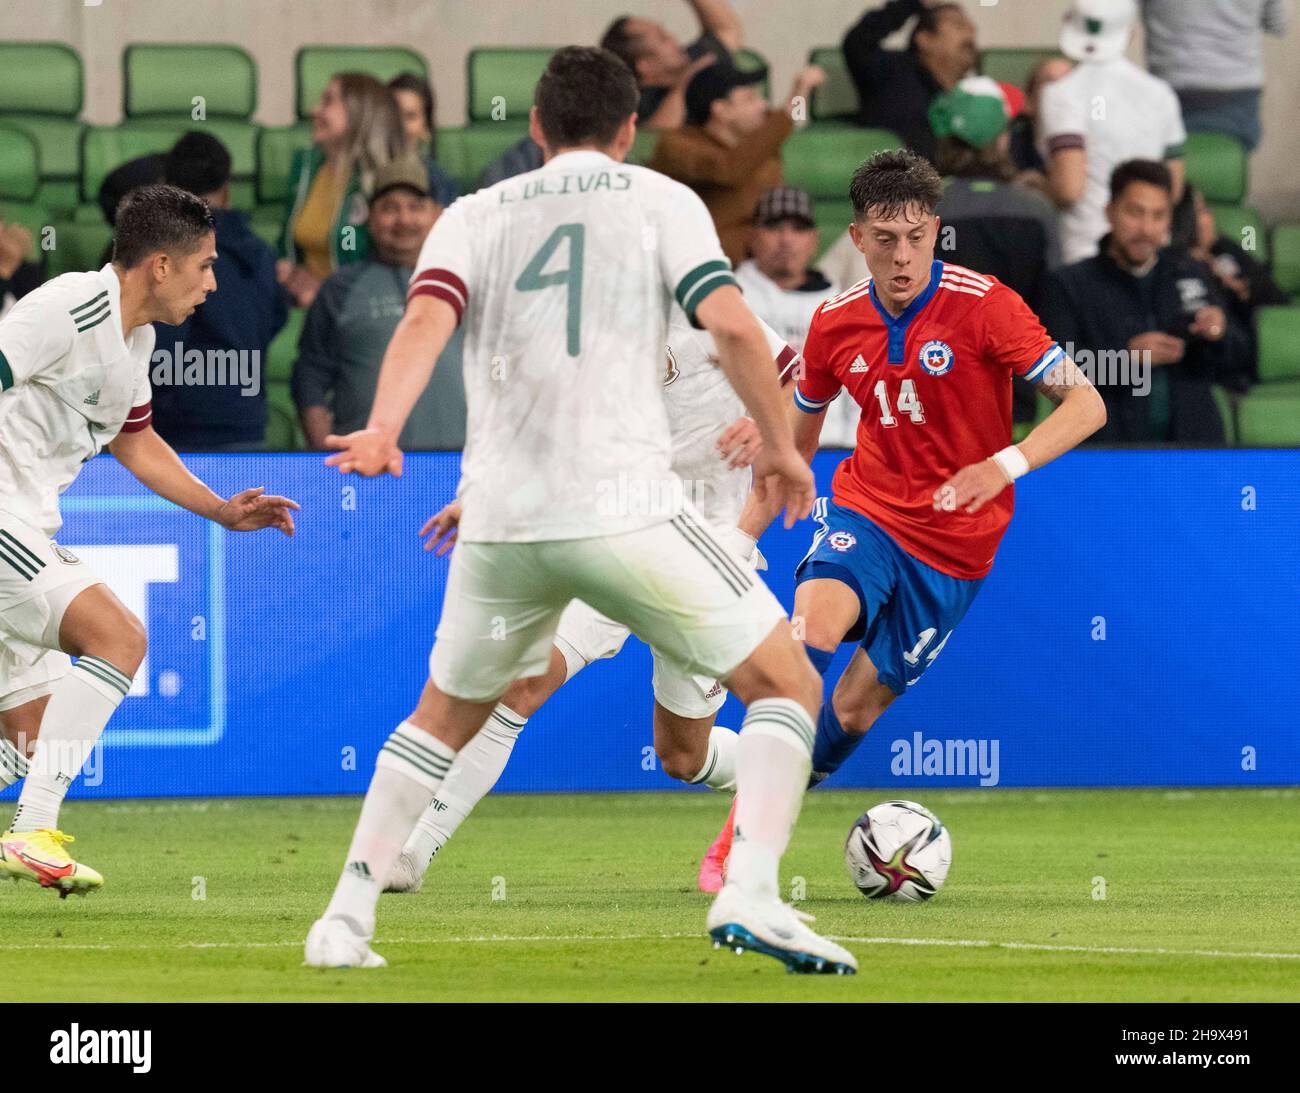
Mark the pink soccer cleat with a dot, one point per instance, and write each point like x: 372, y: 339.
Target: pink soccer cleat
x: 713, y: 869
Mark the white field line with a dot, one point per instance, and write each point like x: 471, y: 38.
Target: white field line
x: 960, y: 943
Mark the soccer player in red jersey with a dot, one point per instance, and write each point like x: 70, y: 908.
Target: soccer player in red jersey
x: 927, y: 350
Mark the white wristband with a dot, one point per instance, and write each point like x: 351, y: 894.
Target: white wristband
x: 1012, y: 462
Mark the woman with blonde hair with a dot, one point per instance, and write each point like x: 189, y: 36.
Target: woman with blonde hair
x: 356, y: 129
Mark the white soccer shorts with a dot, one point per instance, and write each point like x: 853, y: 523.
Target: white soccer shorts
x: 585, y: 635
x: 674, y: 584
x: 38, y: 579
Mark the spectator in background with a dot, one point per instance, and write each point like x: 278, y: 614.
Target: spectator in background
x: 353, y: 317
x: 143, y: 171
x: 1105, y: 112
x: 730, y: 150
x: 778, y: 278
x: 989, y: 221
x: 783, y: 289
x: 895, y: 86
x: 1211, y: 52
x: 18, y: 276
x: 356, y: 129
x: 662, y: 65
x: 1023, y: 129
x: 1144, y: 307
x: 417, y: 105
x: 234, y: 325
x: 1245, y: 282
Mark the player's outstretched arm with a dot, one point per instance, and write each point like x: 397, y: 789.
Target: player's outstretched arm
x: 1079, y: 413
x: 780, y: 475
x: 153, y: 461
x: 408, y: 365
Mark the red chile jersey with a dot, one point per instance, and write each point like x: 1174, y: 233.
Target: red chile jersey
x: 934, y: 386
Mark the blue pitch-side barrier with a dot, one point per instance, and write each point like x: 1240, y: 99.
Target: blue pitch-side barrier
x: 1138, y: 629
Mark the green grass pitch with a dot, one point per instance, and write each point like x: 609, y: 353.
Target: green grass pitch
x: 593, y: 897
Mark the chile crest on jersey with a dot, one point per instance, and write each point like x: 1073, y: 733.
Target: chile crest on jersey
x: 936, y: 357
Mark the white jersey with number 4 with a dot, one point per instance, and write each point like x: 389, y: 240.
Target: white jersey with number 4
x: 701, y: 404
x: 69, y: 383
x: 563, y: 279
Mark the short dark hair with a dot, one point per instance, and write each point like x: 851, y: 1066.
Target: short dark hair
x: 621, y: 42
x: 410, y: 81
x: 891, y: 182
x: 928, y: 21
x: 199, y: 163
x: 1150, y: 171
x: 158, y: 218
x: 584, y: 96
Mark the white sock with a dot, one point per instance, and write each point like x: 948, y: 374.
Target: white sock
x: 719, y: 770
x: 410, y: 767
x: 13, y: 764
x: 477, y: 767
x: 773, y: 759
x: 80, y: 705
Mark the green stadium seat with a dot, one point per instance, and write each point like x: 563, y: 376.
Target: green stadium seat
x: 837, y: 98
x: 41, y: 93
x: 20, y: 165
x: 267, y: 222
x: 276, y: 146
x: 1216, y: 165
x: 1286, y: 258
x: 283, y: 432
x: 79, y: 246
x: 316, y: 65
x: 643, y: 148
x: 164, y: 80
x: 482, y: 144
x: 451, y: 157
x: 104, y: 148
x: 20, y: 185
x: 1278, y: 331
x: 822, y: 159
x: 833, y: 217
x: 500, y: 82
x: 1013, y: 66
x: 1228, y: 412
x: 1244, y: 226
x: 1269, y: 420
x: 283, y: 350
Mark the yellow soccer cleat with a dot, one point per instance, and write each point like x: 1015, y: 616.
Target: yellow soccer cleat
x: 40, y: 856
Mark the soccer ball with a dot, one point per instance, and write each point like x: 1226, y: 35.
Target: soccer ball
x: 898, y: 850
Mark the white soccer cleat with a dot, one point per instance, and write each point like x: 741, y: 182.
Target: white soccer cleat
x: 333, y: 943
x: 406, y: 876
x: 742, y: 922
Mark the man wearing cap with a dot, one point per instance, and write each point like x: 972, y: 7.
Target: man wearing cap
x: 1105, y: 112
x: 778, y: 280
x: 353, y: 318
x: 895, y: 86
x: 730, y: 149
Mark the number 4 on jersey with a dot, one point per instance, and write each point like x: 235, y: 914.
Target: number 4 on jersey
x: 533, y: 279
x: 908, y: 404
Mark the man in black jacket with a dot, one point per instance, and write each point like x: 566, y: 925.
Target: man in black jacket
x: 214, y: 398
x: 895, y: 86
x: 1147, y: 322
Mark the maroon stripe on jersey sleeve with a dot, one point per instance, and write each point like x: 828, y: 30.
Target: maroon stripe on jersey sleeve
x: 785, y: 364
x: 1064, y: 141
x: 139, y: 418
x: 443, y: 285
